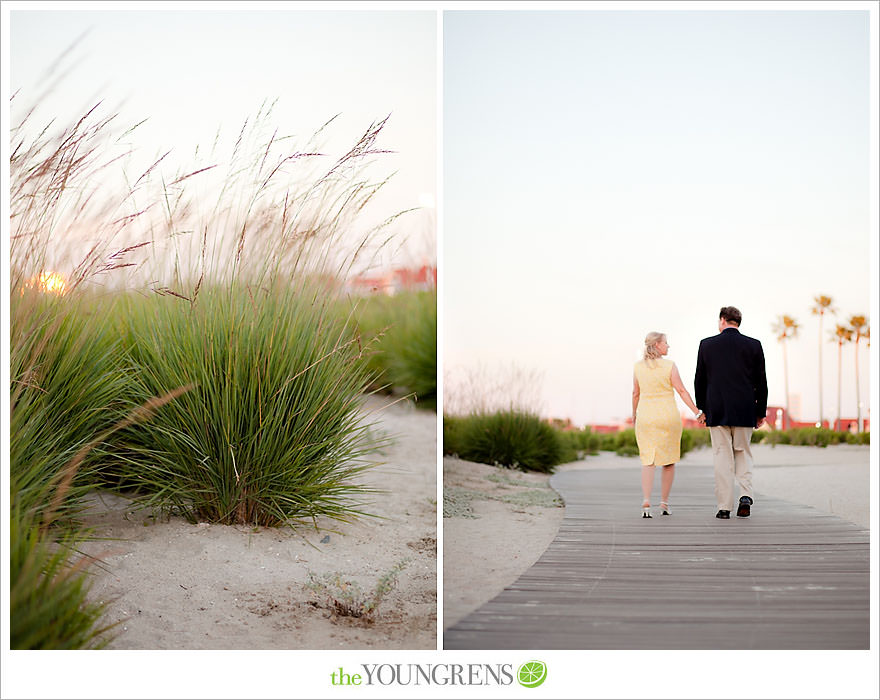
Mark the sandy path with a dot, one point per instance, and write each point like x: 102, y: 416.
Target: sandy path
x: 488, y: 543
x: 835, y: 479
x: 174, y: 585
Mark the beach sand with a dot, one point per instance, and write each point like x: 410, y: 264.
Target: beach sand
x: 501, y: 522
x: 484, y: 555
x: 176, y: 585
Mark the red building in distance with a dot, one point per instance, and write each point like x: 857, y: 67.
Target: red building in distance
x: 779, y: 419
x: 422, y: 278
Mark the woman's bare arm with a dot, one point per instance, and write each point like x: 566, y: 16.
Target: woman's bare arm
x: 635, y: 397
x: 678, y: 385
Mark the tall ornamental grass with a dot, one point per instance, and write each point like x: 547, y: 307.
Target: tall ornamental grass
x: 228, y: 345
x: 270, y: 432
x: 68, y: 385
x: 412, y: 348
x: 48, y: 591
x: 402, y: 329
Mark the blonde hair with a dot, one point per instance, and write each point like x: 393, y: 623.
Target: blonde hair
x: 651, y: 352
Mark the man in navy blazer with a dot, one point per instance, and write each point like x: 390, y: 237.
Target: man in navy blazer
x: 730, y: 388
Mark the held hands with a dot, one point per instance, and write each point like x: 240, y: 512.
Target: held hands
x: 701, y: 418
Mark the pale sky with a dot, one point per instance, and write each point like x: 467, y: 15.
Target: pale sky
x: 192, y: 72
x: 607, y: 174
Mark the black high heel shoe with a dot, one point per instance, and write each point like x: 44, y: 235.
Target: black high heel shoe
x: 664, y: 508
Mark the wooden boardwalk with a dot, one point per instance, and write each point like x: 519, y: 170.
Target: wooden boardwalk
x: 789, y: 577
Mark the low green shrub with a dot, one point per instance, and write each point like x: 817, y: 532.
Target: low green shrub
x: 626, y: 443
x: 810, y: 436
x: 577, y: 444
x: 608, y: 442
x: 858, y: 438
x: 508, y: 438
x: 694, y: 438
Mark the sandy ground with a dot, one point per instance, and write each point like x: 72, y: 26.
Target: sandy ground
x: 835, y: 479
x: 497, y: 523
x: 482, y: 555
x: 176, y: 585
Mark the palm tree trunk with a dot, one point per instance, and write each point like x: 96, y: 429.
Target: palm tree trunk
x: 821, y: 316
x: 785, y: 374
x: 858, y: 398
x: 839, y: 377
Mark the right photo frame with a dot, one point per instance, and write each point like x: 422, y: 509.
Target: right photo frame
x: 656, y: 330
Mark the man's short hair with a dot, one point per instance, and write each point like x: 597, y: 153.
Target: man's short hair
x: 731, y: 314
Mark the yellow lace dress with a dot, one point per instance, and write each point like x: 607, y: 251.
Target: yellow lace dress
x: 658, y: 423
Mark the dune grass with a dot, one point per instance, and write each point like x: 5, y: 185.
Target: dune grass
x: 271, y: 431
x: 402, y: 329
x: 68, y: 385
x: 48, y: 595
x: 67, y: 394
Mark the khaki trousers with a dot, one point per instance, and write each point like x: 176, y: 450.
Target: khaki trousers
x: 733, y: 458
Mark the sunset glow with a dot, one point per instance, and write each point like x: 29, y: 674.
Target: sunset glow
x: 48, y: 282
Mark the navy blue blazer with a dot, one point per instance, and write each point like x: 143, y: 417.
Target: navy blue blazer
x: 730, y: 384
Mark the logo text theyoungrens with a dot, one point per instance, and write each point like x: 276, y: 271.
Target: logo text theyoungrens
x: 426, y: 674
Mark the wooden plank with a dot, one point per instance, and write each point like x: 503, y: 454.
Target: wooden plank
x: 788, y: 577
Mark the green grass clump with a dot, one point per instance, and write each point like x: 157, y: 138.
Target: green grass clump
x: 67, y: 387
x: 48, y: 604
x: 58, y: 412
x: 270, y: 431
x: 453, y: 434
x: 402, y: 332
x: 411, y: 346
x: 508, y: 438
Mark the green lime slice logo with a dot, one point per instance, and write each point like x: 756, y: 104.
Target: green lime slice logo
x: 531, y: 674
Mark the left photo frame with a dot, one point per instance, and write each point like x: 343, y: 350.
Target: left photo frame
x: 223, y: 329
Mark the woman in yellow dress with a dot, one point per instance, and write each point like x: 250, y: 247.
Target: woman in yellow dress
x: 656, y: 418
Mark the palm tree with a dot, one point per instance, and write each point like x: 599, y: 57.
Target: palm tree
x: 843, y: 335
x: 859, y: 326
x: 821, y: 307
x: 785, y: 328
